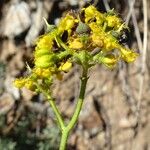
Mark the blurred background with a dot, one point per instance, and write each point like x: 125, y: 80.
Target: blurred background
x: 115, y: 115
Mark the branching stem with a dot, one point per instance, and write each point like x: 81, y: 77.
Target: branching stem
x: 74, y: 119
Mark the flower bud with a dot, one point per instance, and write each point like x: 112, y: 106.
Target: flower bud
x: 49, y: 27
x: 66, y: 66
x: 109, y: 60
x: 41, y: 52
x: 82, y: 28
x: 44, y: 61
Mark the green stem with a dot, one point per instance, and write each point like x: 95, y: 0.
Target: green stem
x: 73, y: 121
x: 63, y: 55
x: 64, y: 45
x: 64, y: 139
x: 57, y: 113
x: 54, y: 107
x: 66, y: 129
x: 79, y: 104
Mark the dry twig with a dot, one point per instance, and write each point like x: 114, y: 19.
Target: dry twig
x: 135, y: 24
x: 143, y: 61
x: 107, y: 7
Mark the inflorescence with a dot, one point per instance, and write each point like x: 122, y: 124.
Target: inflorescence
x: 87, y: 37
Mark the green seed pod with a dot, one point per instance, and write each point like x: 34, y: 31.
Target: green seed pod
x: 82, y: 28
x: 44, y: 61
x: 41, y: 52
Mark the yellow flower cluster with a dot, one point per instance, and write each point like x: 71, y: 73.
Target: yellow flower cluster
x: 67, y: 23
x: 74, y: 40
x: 25, y: 82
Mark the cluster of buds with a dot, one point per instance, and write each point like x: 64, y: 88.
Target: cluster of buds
x: 86, y: 37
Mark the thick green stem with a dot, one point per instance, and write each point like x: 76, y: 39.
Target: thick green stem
x: 64, y: 139
x: 73, y: 121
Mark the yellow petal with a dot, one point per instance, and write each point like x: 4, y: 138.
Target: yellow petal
x: 76, y: 44
x: 128, y: 55
x: 19, y: 83
x: 113, y: 21
x: 45, y: 42
x: 97, y: 40
x: 46, y: 73
x: 66, y: 23
x: 30, y: 85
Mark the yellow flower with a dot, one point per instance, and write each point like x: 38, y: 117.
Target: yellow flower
x: 110, y: 43
x: 91, y: 12
x: 128, y: 55
x: 37, y: 71
x: 46, y: 73
x: 97, y: 40
x: 19, y: 83
x: 113, y: 21
x: 42, y: 72
x: 102, y: 39
x: 76, y: 44
x: 66, y: 23
x: 25, y: 82
x: 66, y: 66
x: 95, y: 28
x: 109, y: 60
x: 30, y: 85
x: 45, y: 42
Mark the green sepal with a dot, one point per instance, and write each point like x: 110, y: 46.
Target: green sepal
x: 83, y: 58
x: 49, y: 28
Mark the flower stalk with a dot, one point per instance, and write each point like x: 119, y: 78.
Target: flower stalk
x: 74, y: 119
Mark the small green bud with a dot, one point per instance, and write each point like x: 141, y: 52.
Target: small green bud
x: 82, y: 28
x: 109, y: 60
x: 66, y: 66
